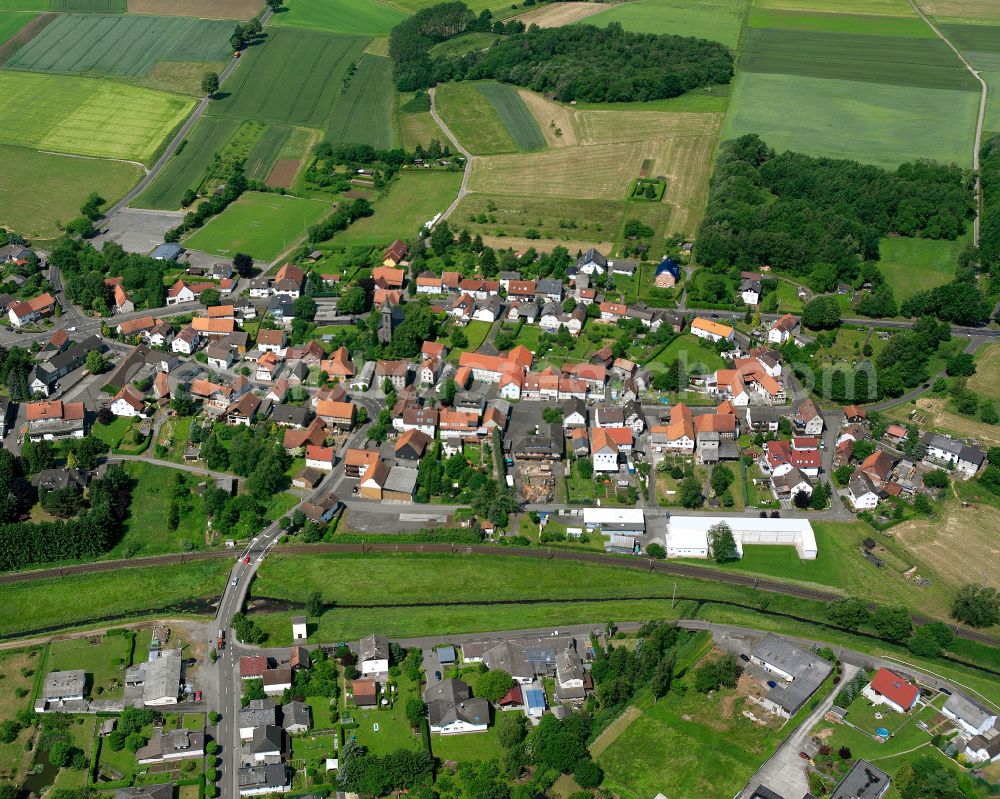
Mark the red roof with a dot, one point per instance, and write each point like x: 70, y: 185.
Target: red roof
x: 895, y: 688
x: 253, y: 665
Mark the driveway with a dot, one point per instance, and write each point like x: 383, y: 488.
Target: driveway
x: 785, y: 772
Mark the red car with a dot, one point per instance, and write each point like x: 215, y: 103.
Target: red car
x: 246, y: 559
x: 803, y: 755
x: 197, y: 696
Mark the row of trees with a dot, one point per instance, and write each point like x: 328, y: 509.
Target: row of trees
x: 92, y: 533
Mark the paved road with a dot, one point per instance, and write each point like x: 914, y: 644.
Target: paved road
x: 464, y: 189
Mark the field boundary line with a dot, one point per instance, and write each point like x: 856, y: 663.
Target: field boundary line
x: 139, y: 164
x: 978, y: 140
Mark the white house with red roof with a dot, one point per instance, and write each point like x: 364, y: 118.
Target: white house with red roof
x: 887, y: 688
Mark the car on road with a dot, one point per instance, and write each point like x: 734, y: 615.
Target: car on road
x: 744, y: 658
x: 803, y: 755
x: 246, y: 559
x: 197, y: 696
x: 70, y: 329
x: 437, y: 675
x: 236, y: 581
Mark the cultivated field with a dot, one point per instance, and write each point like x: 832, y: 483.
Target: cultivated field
x: 567, y: 222
x: 521, y: 125
x: 871, y: 122
x: 122, y: 45
x: 22, y: 27
x: 412, y: 200
x: 89, y: 6
x: 608, y: 127
x: 973, y: 10
x: 473, y: 119
x: 11, y: 22
x: 265, y: 152
x: 556, y: 121
x: 897, y: 60
x: 840, y: 23
x: 361, y: 17
x: 185, y: 170
x: 295, y: 78
x: 891, y: 8
x: 59, y: 185
x: 363, y: 113
x: 986, y: 380
x: 217, y: 9
x: 88, y: 117
x: 416, y: 127
x: 718, y: 20
x: 262, y: 225
x: 555, y: 15
x: 912, y: 265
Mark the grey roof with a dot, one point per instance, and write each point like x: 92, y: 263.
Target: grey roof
x: 291, y: 414
x: 861, y: 484
x: 446, y: 654
x: 764, y: 413
x: 611, y: 417
x: 549, y: 286
x: 569, y: 666
x: 179, y: 741
x: 167, y: 251
x: 374, y: 647
x: 763, y: 792
x: 401, y: 479
x: 294, y: 714
x: 57, y: 479
x: 574, y: 404
x: 783, y: 654
x: 266, y: 739
x: 61, y: 684
x: 272, y: 775
x: 259, y: 713
x: 863, y: 781
x: 163, y: 676
x: 968, y: 709
x: 451, y: 700
x: 162, y: 791
x: 523, y: 658
x: 592, y: 255
x: 808, y: 671
x: 972, y: 455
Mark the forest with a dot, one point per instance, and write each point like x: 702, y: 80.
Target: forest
x: 84, y: 269
x: 794, y: 212
x: 574, y: 62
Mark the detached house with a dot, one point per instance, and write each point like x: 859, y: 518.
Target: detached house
x: 712, y: 331
x: 782, y: 329
x: 667, y: 274
x: 808, y: 420
x: 862, y: 492
x: 128, y: 402
x: 890, y: 689
x: 179, y: 293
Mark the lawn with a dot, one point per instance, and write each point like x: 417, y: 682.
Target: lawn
x: 696, y: 355
x: 718, y: 20
x: 186, y: 168
x: 413, y: 199
x: 59, y: 184
x: 146, y: 530
x: 475, y: 332
x: 986, y: 380
x: 122, y: 45
x: 311, y: 751
x: 911, y: 265
x: 263, y: 225
x: 363, y: 114
x: 294, y: 76
x: 416, y: 125
x: 788, y: 297
x: 871, y: 122
x: 112, y: 433
x: 320, y: 712
x: 466, y: 43
x: 359, y: 17
x: 473, y: 119
x: 102, y: 657
x: 111, y: 596
x: 394, y: 731
x: 479, y: 746
x: 17, y: 676
x: 85, y: 116
x: 520, y: 124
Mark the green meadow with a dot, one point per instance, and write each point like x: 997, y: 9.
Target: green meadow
x: 912, y: 265
x: 360, y: 17
x: 718, y: 20
x: 868, y: 24
x: 520, y: 124
x: 11, y: 22
x: 473, y: 119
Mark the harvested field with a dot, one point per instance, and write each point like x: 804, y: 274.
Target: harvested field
x: 607, y: 127
x: 556, y: 15
x: 610, y: 733
x: 59, y: 185
x: 872, y: 122
x: 187, y: 168
x: 897, y: 60
x: 378, y: 46
x: 295, y: 78
x: 283, y: 173
x: 551, y: 117
x: 121, y: 44
x: 180, y: 76
x: 17, y: 33
x: 417, y: 127
x: 986, y: 380
x: 88, y: 117
x: 520, y: 124
x: 958, y: 545
x: 363, y: 113
x: 216, y: 9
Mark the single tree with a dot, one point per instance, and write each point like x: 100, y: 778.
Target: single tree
x: 210, y: 83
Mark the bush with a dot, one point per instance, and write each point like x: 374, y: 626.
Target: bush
x: 588, y: 774
x: 656, y: 551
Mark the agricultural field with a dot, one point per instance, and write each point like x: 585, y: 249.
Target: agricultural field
x: 294, y: 78
x: 263, y: 225
x: 897, y: 60
x: 363, y: 114
x: 473, y: 119
x: 59, y: 184
x: 986, y: 380
x: 555, y: 15
x: 912, y: 265
x: 972, y: 11
x: 261, y: 158
x: 521, y: 125
x: 980, y: 44
x: 414, y: 198
x: 840, y: 23
x: 889, y: 8
x: 217, y: 9
x: 360, y: 17
x: 416, y: 125
x: 11, y: 22
x: 117, y: 595
x: 186, y: 168
x: 85, y: 116
x: 717, y: 20
x: 871, y: 122
x: 129, y: 46
x: 88, y: 6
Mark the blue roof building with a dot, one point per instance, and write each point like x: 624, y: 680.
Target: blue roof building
x: 167, y: 252
x: 669, y: 266
x: 446, y: 654
x: 534, y: 702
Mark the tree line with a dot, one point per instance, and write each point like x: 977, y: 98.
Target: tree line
x: 84, y: 268
x: 91, y: 534
x: 575, y: 62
